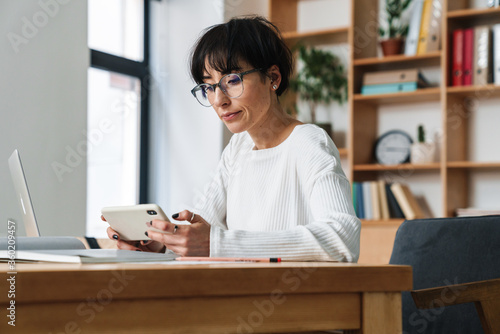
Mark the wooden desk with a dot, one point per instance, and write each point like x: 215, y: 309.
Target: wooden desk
x: 205, y: 298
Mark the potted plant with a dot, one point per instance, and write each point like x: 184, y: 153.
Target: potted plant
x: 393, y: 35
x: 321, y: 78
x: 422, y: 152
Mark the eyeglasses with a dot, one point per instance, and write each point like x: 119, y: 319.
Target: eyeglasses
x: 231, y: 85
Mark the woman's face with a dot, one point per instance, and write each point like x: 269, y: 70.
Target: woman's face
x: 249, y: 110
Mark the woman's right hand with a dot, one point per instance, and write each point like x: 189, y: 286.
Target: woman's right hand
x: 142, y: 245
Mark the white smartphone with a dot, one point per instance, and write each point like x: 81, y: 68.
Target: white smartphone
x: 131, y: 221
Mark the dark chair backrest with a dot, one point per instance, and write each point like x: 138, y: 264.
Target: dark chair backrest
x: 446, y: 251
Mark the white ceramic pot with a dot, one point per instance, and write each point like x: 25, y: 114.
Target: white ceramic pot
x: 423, y: 153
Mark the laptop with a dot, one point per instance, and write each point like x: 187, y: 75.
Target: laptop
x: 23, y: 195
x: 59, y: 249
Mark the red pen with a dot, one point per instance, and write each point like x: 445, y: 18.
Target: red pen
x: 228, y: 259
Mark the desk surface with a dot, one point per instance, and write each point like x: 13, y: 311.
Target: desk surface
x: 217, y: 297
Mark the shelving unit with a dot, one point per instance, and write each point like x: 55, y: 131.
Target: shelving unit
x: 284, y: 14
x: 453, y: 171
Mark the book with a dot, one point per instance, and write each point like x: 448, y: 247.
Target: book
x: 496, y: 54
x: 468, y: 57
x: 86, y: 256
x: 406, y: 201
x: 354, y: 200
x: 396, y: 76
x: 359, y: 200
x: 434, y: 31
x: 375, y: 196
x: 389, y: 88
x: 482, y: 55
x: 457, y: 57
x: 423, y: 38
x: 394, y: 208
x: 469, y: 212
x: 414, y: 29
x: 384, y: 205
x: 367, y: 202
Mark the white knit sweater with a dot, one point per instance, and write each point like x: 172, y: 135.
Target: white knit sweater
x: 291, y: 201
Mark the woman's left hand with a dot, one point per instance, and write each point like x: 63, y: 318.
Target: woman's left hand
x: 185, y: 240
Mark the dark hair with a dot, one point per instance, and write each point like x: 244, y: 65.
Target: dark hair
x: 252, y: 39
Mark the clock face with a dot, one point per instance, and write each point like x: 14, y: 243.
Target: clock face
x: 393, y: 148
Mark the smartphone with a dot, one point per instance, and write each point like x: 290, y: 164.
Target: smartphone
x: 131, y: 221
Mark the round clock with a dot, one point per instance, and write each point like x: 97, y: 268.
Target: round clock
x: 393, y: 148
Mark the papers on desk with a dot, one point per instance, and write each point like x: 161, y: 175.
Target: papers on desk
x: 86, y: 256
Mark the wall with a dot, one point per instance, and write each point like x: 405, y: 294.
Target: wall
x: 186, y: 138
x: 43, y: 107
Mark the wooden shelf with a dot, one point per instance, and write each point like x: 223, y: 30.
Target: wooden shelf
x: 482, y: 92
x: 399, y: 61
x: 344, y: 152
x: 406, y: 167
x: 333, y: 35
x: 420, y: 95
x: 474, y: 16
x: 472, y: 164
x: 381, y: 222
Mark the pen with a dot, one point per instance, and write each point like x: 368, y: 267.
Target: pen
x: 228, y: 259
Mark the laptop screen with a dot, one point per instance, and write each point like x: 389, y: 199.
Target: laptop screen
x: 23, y: 195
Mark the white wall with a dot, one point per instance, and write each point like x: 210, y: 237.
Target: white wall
x: 43, y: 104
x: 186, y: 138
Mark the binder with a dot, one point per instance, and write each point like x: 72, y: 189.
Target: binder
x: 468, y: 57
x: 482, y: 56
x: 367, y: 201
x: 414, y: 29
x: 424, y: 27
x: 434, y: 30
x: 496, y: 54
x: 387, y: 77
x: 389, y: 88
x: 457, y: 57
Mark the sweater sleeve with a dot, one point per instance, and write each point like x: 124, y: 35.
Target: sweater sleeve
x: 333, y: 235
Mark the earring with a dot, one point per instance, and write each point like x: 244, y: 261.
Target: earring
x: 275, y: 87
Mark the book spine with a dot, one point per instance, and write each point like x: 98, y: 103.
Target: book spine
x: 468, y: 61
x: 434, y: 41
x: 424, y: 27
x: 359, y: 199
x: 384, y: 206
x: 375, y: 200
x: 414, y: 29
x: 496, y: 54
x: 394, y: 208
x: 457, y: 61
x: 400, y: 196
x: 482, y: 63
x: 388, y: 77
x: 354, y: 199
x: 367, y: 200
x: 389, y: 88
x: 413, y: 202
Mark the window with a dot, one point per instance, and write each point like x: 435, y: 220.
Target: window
x: 117, y: 117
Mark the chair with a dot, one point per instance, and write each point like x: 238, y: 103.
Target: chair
x: 446, y: 253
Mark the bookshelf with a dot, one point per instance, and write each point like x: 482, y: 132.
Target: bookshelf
x: 453, y: 175
x: 284, y: 13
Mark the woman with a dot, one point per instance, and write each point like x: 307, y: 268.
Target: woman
x: 279, y: 190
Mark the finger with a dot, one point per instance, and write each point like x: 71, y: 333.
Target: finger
x: 185, y: 215
x: 146, y: 242
x: 112, y: 234
x: 164, y: 238
x: 161, y: 225
x: 127, y: 246
x: 102, y: 218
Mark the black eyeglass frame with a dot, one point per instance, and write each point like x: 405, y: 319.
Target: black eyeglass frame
x: 214, y: 86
